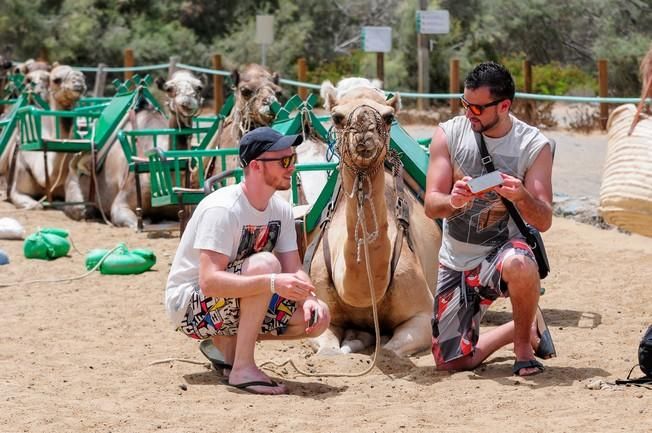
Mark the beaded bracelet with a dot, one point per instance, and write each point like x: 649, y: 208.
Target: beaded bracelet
x: 272, y: 281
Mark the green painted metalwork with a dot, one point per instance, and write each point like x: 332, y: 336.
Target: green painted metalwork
x: 313, y: 217
x: 128, y: 141
x: 9, y: 122
x: 413, y: 156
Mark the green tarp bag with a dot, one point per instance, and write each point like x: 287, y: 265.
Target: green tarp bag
x: 121, y: 261
x: 47, y: 244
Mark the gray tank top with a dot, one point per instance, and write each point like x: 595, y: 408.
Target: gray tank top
x: 472, y: 232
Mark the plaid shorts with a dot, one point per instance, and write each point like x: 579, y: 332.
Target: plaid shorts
x: 463, y: 298
x: 210, y: 316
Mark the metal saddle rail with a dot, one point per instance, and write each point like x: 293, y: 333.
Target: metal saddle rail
x: 170, y: 180
x: 9, y: 122
x: 91, y: 129
x: 141, y: 164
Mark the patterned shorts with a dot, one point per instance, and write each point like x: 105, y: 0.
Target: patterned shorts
x: 463, y: 298
x: 209, y: 316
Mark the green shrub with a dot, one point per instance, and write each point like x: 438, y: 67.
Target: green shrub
x: 553, y: 78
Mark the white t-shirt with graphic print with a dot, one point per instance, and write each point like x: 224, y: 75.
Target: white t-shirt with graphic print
x: 225, y: 222
x: 484, y: 224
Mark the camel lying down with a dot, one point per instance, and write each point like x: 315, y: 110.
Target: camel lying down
x: 403, y: 290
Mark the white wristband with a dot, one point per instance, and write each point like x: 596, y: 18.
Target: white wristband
x: 272, y: 280
x: 450, y: 201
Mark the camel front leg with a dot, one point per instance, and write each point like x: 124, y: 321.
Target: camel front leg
x: 74, y: 193
x: 411, y: 336
x: 328, y: 343
x: 23, y: 188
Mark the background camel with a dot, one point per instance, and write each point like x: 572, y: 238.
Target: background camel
x: 184, y: 101
x: 362, y: 118
x: 27, y: 174
x: 255, y: 90
x: 115, y: 188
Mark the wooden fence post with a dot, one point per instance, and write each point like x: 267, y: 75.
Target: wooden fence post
x: 380, y: 67
x: 527, y: 78
x: 100, y: 80
x: 218, y: 84
x: 604, y: 90
x: 454, y: 84
x: 128, y: 62
x: 302, y: 75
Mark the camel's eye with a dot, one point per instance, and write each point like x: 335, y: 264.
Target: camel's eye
x: 388, y: 118
x: 57, y: 81
x: 338, y: 119
x: 246, y: 92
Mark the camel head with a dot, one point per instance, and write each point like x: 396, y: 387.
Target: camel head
x: 184, y: 95
x: 31, y: 65
x: 362, y: 117
x: 66, y: 86
x: 39, y: 81
x: 255, y: 91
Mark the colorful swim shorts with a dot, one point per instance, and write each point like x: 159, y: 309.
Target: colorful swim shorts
x: 463, y: 298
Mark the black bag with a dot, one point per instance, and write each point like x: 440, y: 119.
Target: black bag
x: 644, y: 362
x: 532, y: 235
x: 645, y: 353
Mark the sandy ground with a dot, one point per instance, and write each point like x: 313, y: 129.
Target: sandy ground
x: 77, y: 356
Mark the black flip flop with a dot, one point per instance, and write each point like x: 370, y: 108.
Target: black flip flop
x: 208, y: 349
x: 245, y: 386
x: 530, y: 363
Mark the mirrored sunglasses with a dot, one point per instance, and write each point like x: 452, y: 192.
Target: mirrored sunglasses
x: 285, y: 161
x: 476, y: 108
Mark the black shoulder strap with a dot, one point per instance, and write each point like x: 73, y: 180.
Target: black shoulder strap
x: 488, y: 163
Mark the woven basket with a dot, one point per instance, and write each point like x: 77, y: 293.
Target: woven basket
x: 626, y: 191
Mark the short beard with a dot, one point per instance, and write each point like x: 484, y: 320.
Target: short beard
x: 488, y: 126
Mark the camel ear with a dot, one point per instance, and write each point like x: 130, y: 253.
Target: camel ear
x: 235, y: 77
x: 327, y: 93
x: 395, y: 102
x: 160, y: 83
x: 276, y: 78
x: 54, y: 65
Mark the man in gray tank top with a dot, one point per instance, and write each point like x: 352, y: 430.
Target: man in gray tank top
x: 483, y: 254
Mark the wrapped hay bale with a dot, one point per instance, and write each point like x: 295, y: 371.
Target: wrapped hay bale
x: 626, y: 191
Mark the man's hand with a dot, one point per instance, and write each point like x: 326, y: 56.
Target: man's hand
x: 461, y: 194
x: 293, y: 286
x: 512, y: 188
x: 313, y: 306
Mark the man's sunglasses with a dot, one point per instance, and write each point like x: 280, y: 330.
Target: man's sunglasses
x: 285, y: 161
x: 478, y: 109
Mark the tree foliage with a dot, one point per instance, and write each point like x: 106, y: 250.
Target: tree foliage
x: 327, y: 33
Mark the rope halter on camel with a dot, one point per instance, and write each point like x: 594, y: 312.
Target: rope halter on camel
x: 353, y: 131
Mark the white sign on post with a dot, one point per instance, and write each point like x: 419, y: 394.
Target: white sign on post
x: 264, y: 29
x: 433, y: 22
x: 377, y: 39
x: 264, y: 34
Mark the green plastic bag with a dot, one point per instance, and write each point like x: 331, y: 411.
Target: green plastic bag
x: 121, y: 261
x: 47, y: 244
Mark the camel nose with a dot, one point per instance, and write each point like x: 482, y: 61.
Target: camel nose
x: 188, y: 103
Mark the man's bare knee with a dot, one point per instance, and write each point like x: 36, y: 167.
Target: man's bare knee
x: 519, y: 268
x: 261, y: 263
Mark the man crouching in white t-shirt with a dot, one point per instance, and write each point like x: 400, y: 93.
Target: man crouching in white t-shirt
x: 236, y: 277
